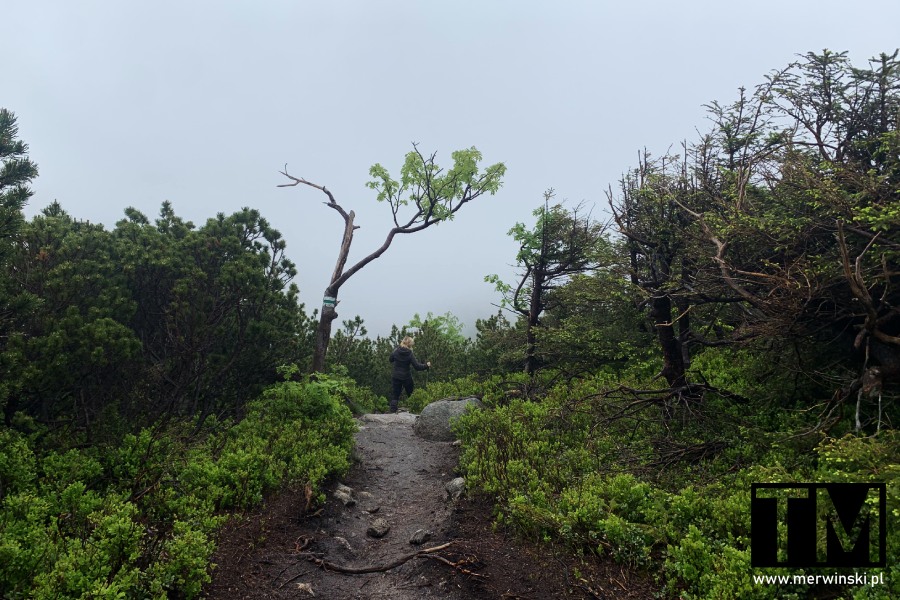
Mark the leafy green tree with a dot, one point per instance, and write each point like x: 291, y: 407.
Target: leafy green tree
x: 74, y: 347
x: 365, y: 360
x: 424, y: 196
x: 215, y: 307
x: 198, y: 319
x: 498, y: 346
x: 440, y: 340
x: 594, y: 322
x: 657, y: 232
x: 16, y: 172
x: 811, y: 247
x: 779, y: 229
x: 563, y: 243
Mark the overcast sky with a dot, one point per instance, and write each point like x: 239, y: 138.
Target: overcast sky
x: 202, y: 103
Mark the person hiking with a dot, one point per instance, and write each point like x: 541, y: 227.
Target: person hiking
x: 401, y: 376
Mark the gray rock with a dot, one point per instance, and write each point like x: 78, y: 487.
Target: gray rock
x: 436, y: 418
x: 345, y: 494
x: 420, y: 537
x: 345, y: 545
x: 387, y: 419
x: 456, y: 488
x: 379, y: 528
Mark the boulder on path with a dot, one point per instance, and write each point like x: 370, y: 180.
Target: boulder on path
x: 434, y: 422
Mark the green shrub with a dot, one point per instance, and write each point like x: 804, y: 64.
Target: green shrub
x: 560, y: 468
x: 139, y: 520
x: 492, y: 390
x: 359, y: 400
x: 17, y: 463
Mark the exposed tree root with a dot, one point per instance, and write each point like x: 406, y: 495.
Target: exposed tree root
x: 458, y: 565
x: 375, y: 568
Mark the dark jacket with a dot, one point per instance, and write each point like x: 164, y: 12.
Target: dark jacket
x: 403, y: 359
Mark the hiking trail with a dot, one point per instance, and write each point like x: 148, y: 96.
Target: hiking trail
x: 398, y: 480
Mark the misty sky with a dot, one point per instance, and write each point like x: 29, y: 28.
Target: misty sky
x: 202, y: 103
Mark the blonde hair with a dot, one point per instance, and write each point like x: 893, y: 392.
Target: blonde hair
x: 407, y: 342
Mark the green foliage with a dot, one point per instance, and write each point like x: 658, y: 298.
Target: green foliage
x: 498, y: 346
x: 564, y: 243
x: 16, y: 172
x: 17, y: 463
x: 592, y: 322
x: 456, y: 388
x: 777, y: 227
x: 438, y: 339
x: 359, y: 399
x: 139, y: 519
x: 573, y: 468
x: 198, y: 317
x: 435, y: 194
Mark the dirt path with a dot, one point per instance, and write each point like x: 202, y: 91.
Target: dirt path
x: 399, y: 478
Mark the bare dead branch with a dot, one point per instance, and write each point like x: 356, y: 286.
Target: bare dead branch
x: 298, y: 180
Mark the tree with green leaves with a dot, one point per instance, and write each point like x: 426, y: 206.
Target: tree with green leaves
x: 593, y: 322
x: 16, y: 173
x: 72, y: 349
x: 215, y: 307
x: 498, y: 345
x: 563, y: 243
x: 779, y: 230
x: 149, y: 320
x: 656, y: 232
x: 440, y: 340
x: 424, y: 196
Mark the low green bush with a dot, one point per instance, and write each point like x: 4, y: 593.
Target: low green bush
x: 494, y: 389
x: 139, y: 520
x: 562, y: 468
x: 359, y: 399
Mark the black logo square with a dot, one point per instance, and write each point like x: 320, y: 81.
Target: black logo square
x: 824, y: 524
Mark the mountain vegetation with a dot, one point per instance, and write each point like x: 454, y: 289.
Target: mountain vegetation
x: 736, y: 320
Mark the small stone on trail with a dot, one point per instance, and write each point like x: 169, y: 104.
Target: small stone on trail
x: 343, y: 543
x: 345, y: 495
x: 379, y: 528
x: 420, y: 537
x: 456, y: 488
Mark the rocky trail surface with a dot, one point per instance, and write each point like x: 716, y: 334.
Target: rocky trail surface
x: 394, y: 529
